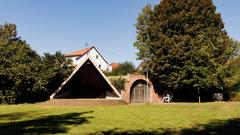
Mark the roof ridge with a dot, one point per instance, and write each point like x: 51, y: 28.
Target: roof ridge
x: 79, y: 52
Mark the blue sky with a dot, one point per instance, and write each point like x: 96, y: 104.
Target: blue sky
x: 66, y: 25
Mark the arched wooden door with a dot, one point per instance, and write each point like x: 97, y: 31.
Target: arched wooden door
x: 139, y: 92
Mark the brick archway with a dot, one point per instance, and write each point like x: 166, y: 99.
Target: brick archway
x: 131, y: 81
x: 139, y: 93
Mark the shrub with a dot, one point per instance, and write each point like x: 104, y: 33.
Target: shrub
x: 231, y: 75
x: 235, y: 96
x: 118, y: 83
x: 7, y: 97
x: 123, y: 69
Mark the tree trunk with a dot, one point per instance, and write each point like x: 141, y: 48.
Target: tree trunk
x: 199, y: 96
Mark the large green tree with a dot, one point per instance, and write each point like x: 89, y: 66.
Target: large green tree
x: 54, y: 69
x: 25, y: 76
x: 19, y: 66
x: 184, y: 45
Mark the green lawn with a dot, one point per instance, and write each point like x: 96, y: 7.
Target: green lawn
x: 179, y: 118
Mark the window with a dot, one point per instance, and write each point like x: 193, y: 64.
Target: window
x: 96, y: 56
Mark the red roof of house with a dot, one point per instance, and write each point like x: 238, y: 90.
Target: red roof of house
x: 114, y: 65
x: 79, y: 52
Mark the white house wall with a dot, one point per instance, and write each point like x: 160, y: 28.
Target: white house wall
x: 93, y: 54
x: 73, y: 60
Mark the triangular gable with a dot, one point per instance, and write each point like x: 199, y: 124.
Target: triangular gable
x: 100, y: 75
x: 90, y: 49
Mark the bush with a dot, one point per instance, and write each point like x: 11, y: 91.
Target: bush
x: 235, y: 96
x: 231, y: 73
x: 118, y: 83
x: 7, y: 97
x: 123, y: 69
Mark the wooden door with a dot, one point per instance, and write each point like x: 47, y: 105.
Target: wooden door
x: 140, y: 93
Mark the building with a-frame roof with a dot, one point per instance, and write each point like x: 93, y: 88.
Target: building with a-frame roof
x: 86, y: 81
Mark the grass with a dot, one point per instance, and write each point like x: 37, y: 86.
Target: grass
x: 179, y: 118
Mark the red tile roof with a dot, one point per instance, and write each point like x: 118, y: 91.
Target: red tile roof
x: 79, y: 52
x: 114, y: 65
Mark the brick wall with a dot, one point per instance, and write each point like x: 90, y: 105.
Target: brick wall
x: 131, y: 78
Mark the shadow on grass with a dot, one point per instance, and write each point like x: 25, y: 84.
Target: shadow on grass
x: 44, y: 125
x: 216, y: 127
x: 16, y: 115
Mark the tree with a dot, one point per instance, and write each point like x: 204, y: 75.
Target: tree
x: 19, y: 66
x: 236, y: 49
x: 123, y: 69
x: 25, y: 76
x: 184, y: 45
x: 55, y: 68
x: 231, y: 73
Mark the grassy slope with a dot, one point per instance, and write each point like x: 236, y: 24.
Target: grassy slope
x: 206, y: 118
